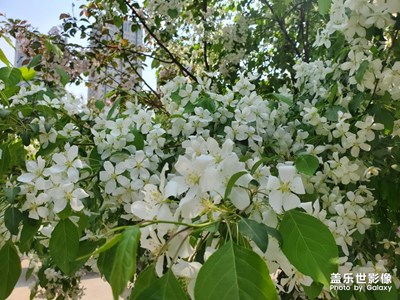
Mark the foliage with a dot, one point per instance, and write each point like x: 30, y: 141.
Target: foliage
x: 265, y: 162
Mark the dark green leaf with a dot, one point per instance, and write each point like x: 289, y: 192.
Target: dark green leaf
x: 307, y: 164
x: 99, y: 104
x: 144, y: 281
x: 235, y: 177
x: 28, y: 232
x: 309, y: 246
x: 4, y: 160
x: 64, y: 77
x: 10, y: 269
x: 64, y: 245
x: 313, y: 290
x: 35, y: 61
x: 281, y: 98
x: 234, y: 272
x: 392, y: 295
x: 332, y: 112
x: 124, y: 263
x: 11, y: 193
x: 114, y: 107
x: 4, y: 113
x: 173, y: 13
x: 153, y: 288
x: 207, y: 103
x: 12, y: 218
x: 361, y: 71
x: 138, y: 140
x: 257, y: 232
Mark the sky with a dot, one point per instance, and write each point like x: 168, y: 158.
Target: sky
x: 43, y: 15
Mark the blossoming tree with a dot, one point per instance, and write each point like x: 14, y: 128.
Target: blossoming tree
x: 265, y: 165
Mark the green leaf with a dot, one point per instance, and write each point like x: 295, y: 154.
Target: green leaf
x: 12, y: 218
x: 361, y: 71
x: 138, y: 141
x: 281, y: 98
x: 10, y: 76
x: 235, y: 177
x: 307, y: 164
x: 332, y: 112
x: 35, y: 61
x: 355, y: 103
x: 4, y: 160
x: 392, y: 295
x: 99, y: 104
x: 144, y: 281
x: 4, y: 59
x: 26, y: 137
x: 149, y: 287
x: 11, y: 193
x: 123, y: 266
x: 309, y: 246
x: 173, y: 13
x: 122, y: 6
x: 113, y: 108
x: 10, y: 269
x: 4, y: 113
x: 86, y: 247
x: 64, y: 77
x: 64, y: 245
x: 27, y: 73
x: 313, y: 290
x: 324, y: 6
x: 257, y: 232
x: 47, y: 111
x: 107, y: 245
x: 234, y: 272
x: 28, y: 232
x: 207, y: 103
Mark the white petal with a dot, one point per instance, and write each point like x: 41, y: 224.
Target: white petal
x: 79, y: 193
x: 59, y: 204
x: 110, y: 186
x: 76, y: 204
x: 43, y: 212
x: 240, y: 198
x: 297, y: 185
x: 26, y: 178
x: 108, y: 166
x: 104, y: 176
x: 290, y: 201
x: 209, y: 179
x: 72, y: 153
x: 122, y: 180
x: 143, y: 210
x: 59, y: 159
x: 273, y: 183
x: 275, y: 200
x: 286, y: 173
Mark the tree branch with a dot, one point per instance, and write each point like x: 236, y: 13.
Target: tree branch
x: 282, y: 27
x: 184, y: 70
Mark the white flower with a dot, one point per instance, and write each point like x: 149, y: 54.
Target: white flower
x: 282, y: 189
x: 35, y: 170
x: 35, y: 205
x: 68, y: 163
x: 66, y: 193
x: 195, y: 178
x: 112, y: 175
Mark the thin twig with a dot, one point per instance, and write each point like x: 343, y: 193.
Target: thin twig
x: 184, y: 70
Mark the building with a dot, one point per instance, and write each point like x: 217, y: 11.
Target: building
x: 110, y: 76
